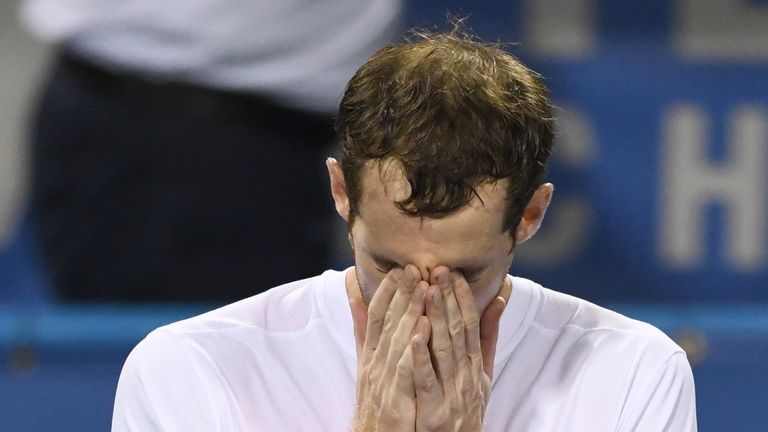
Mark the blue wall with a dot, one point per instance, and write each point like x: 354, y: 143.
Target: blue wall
x: 661, y: 167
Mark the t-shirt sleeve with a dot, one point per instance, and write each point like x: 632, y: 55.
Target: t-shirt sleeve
x: 165, y: 386
x: 666, y: 404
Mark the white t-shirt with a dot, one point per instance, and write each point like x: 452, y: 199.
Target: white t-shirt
x: 285, y: 360
x: 301, y: 52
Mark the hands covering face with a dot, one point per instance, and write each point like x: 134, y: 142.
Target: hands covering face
x: 425, y: 354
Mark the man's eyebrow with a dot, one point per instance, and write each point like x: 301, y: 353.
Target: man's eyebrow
x: 474, y: 268
x: 467, y: 268
x: 382, y: 260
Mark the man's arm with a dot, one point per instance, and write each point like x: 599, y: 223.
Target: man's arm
x: 666, y: 403
x: 161, y: 389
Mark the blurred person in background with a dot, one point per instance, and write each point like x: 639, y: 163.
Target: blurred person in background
x: 176, y: 144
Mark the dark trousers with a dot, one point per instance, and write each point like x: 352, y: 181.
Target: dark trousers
x: 146, y: 190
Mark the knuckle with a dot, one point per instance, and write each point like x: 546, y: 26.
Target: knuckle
x: 443, y: 351
x: 389, y: 324
x: 475, y: 359
x: 375, y: 317
x: 463, y: 363
x: 427, y: 384
x: 396, y: 346
x: 390, y: 415
x: 442, y: 418
x: 472, y: 322
x: 403, y: 370
x: 456, y: 327
x: 467, y: 389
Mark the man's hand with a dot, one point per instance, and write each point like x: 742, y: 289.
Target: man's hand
x: 423, y: 364
x: 452, y: 373
x: 383, y: 332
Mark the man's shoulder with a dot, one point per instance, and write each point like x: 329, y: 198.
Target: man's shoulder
x: 214, y: 369
x: 596, y: 368
x: 598, y: 326
x: 224, y: 336
x: 288, y: 307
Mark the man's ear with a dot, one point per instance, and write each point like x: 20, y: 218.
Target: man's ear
x: 534, y: 212
x: 338, y: 188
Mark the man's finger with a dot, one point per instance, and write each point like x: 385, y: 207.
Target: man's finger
x: 398, y: 412
x: 403, y: 384
x: 456, y: 328
x: 466, y: 301
x: 396, y: 309
x: 489, y: 332
x: 424, y: 377
x: 402, y: 336
x: 440, y: 342
x: 360, y: 320
x: 378, y: 308
x: 429, y: 392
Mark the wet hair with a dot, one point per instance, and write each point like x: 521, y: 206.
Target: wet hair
x: 454, y: 113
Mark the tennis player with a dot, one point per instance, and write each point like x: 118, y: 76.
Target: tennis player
x: 444, y: 145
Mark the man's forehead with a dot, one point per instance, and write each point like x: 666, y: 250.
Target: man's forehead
x: 384, y: 183
x: 470, y: 232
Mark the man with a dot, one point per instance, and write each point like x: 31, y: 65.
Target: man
x: 445, y: 141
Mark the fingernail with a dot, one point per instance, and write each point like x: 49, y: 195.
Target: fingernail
x: 437, y: 298
x: 408, y: 275
x: 440, y: 278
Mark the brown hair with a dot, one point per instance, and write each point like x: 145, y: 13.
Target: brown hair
x: 455, y: 113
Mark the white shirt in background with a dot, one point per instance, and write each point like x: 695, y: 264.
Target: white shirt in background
x: 301, y: 51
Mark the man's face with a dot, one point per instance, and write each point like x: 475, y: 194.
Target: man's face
x: 469, y: 240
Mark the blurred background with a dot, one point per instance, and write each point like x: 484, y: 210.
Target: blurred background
x: 660, y: 169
